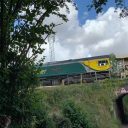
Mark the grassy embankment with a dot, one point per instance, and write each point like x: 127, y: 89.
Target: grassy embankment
x: 95, y: 100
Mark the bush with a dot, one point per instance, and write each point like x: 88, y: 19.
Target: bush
x: 45, y: 123
x: 75, y: 115
x: 65, y: 123
x: 62, y: 122
x: 33, y: 114
x: 39, y: 111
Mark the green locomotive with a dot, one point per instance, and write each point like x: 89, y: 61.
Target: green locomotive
x: 75, y: 71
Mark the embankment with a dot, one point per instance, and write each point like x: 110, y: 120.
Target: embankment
x: 96, y: 100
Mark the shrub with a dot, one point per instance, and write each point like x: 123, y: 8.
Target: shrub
x: 75, y: 115
x: 62, y: 122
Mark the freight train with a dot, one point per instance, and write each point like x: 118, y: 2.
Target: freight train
x: 75, y: 70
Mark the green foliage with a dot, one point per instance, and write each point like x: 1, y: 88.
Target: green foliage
x: 45, y: 123
x: 32, y: 114
x: 77, y: 118
x: 39, y: 110
x: 92, y: 103
x: 65, y: 123
x: 61, y: 121
x: 113, y: 64
x: 75, y: 106
x: 23, y: 31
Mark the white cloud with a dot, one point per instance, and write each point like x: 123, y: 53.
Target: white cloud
x: 104, y: 44
x: 104, y: 35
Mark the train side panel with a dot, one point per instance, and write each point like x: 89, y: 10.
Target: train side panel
x: 63, y: 69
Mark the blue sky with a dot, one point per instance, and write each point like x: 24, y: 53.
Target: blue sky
x: 84, y: 14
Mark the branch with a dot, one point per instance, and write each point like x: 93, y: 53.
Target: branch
x: 1, y: 23
x: 9, y: 11
x: 20, y: 30
x: 47, y: 12
x: 10, y: 8
x: 41, y: 19
x: 17, y: 7
x: 33, y: 55
x: 51, y: 29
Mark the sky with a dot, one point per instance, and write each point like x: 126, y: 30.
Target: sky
x: 84, y: 13
x: 87, y: 34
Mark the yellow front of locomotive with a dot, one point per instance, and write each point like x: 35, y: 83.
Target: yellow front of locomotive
x: 102, y: 64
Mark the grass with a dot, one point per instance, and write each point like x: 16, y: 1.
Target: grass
x: 96, y: 100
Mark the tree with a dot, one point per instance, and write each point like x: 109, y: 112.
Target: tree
x: 99, y: 4
x: 113, y: 64
x: 23, y: 30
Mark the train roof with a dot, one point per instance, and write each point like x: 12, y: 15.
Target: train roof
x: 75, y: 60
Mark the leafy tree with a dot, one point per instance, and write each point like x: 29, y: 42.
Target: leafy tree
x: 113, y: 63
x: 98, y: 5
x: 23, y: 31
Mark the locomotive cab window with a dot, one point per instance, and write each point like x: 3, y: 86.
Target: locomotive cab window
x: 102, y: 62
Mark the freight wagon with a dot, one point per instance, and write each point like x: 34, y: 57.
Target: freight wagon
x: 75, y: 71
